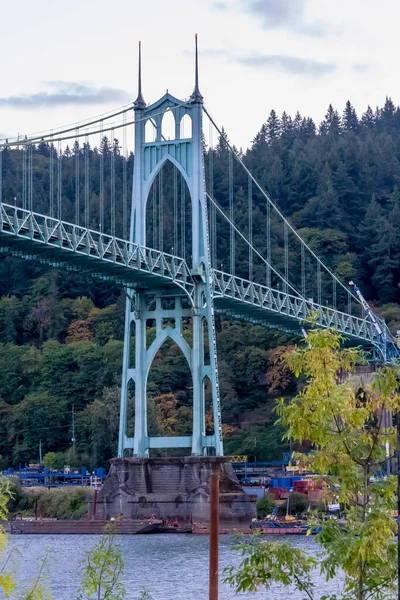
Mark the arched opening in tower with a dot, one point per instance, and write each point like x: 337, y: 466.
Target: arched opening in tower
x: 168, y: 213
x: 170, y: 396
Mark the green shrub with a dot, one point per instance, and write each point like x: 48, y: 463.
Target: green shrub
x: 20, y: 500
x: 298, y: 502
x: 265, y: 506
x: 64, y: 504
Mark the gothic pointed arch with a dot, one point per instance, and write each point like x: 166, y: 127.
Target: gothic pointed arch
x: 160, y: 340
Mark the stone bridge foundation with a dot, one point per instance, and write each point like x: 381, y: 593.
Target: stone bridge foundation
x: 139, y: 488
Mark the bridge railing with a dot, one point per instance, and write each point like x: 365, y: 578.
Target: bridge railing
x: 23, y: 226
x: 32, y: 234
x: 235, y: 289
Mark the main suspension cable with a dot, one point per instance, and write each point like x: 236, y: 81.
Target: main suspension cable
x: 237, y: 230
x: 85, y: 129
x: 274, y: 206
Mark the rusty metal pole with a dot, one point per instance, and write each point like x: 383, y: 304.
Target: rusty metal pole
x: 214, y: 533
x: 398, y: 502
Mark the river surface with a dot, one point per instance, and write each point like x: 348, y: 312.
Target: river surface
x: 171, y: 567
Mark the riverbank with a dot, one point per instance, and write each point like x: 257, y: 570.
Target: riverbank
x: 81, y: 527
x: 55, y: 503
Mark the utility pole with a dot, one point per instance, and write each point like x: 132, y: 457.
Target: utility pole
x: 40, y: 452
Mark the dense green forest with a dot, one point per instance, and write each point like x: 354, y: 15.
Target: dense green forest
x: 61, y: 333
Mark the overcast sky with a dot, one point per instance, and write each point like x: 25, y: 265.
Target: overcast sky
x: 65, y: 61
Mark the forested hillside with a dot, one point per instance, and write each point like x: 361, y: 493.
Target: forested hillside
x: 61, y: 333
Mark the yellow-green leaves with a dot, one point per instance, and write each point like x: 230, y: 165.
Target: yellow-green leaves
x: 346, y: 427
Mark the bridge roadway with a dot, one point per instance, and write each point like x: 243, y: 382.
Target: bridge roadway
x: 61, y: 244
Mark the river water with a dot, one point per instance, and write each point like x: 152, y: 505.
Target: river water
x: 171, y: 567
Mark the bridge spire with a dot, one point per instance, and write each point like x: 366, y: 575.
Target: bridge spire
x: 139, y: 102
x: 196, y: 96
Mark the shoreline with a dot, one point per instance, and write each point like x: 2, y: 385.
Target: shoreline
x: 130, y: 527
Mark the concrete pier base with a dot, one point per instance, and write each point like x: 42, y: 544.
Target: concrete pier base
x: 140, y: 488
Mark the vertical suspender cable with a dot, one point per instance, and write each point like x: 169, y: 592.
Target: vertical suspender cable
x: 86, y: 181
x: 232, y: 231
x: 101, y: 179
x: 250, y: 192
x: 334, y: 293
x: 24, y: 177
x: 154, y: 213
x: 30, y: 177
x: 183, y: 218
x: 175, y: 247
x: 161, y: 211
x: 319, y: 283
x: 349, y: 303
x: 51, y: 178
x: 303, y: 269
x: 213, y: 210
x: 268, y: 266
x: 77, y: 152
x: 286, y: 255
x: 124, y: 183
x: 59, y: 193
x: 113, y: 151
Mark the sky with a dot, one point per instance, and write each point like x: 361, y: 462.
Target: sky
x: 64, y: 62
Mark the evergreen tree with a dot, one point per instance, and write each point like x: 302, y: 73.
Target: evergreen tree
x: 297, y: 122
x: 273, y: 126
x: 350, y: 120
x: 104, y: 147
x: 368, y: 118
x: 332, y: 120
x: 221, y: 146
x: 286, y: 123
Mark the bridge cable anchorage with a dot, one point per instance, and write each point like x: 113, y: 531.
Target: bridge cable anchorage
x: 85, y: 130
x: 275, y: 207
x: 87, y: 175
x: 77, y: 180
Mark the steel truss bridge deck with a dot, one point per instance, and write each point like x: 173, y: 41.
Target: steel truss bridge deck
x: 32, y: 235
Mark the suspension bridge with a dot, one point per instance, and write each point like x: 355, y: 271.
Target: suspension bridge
x: 193, y: 247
